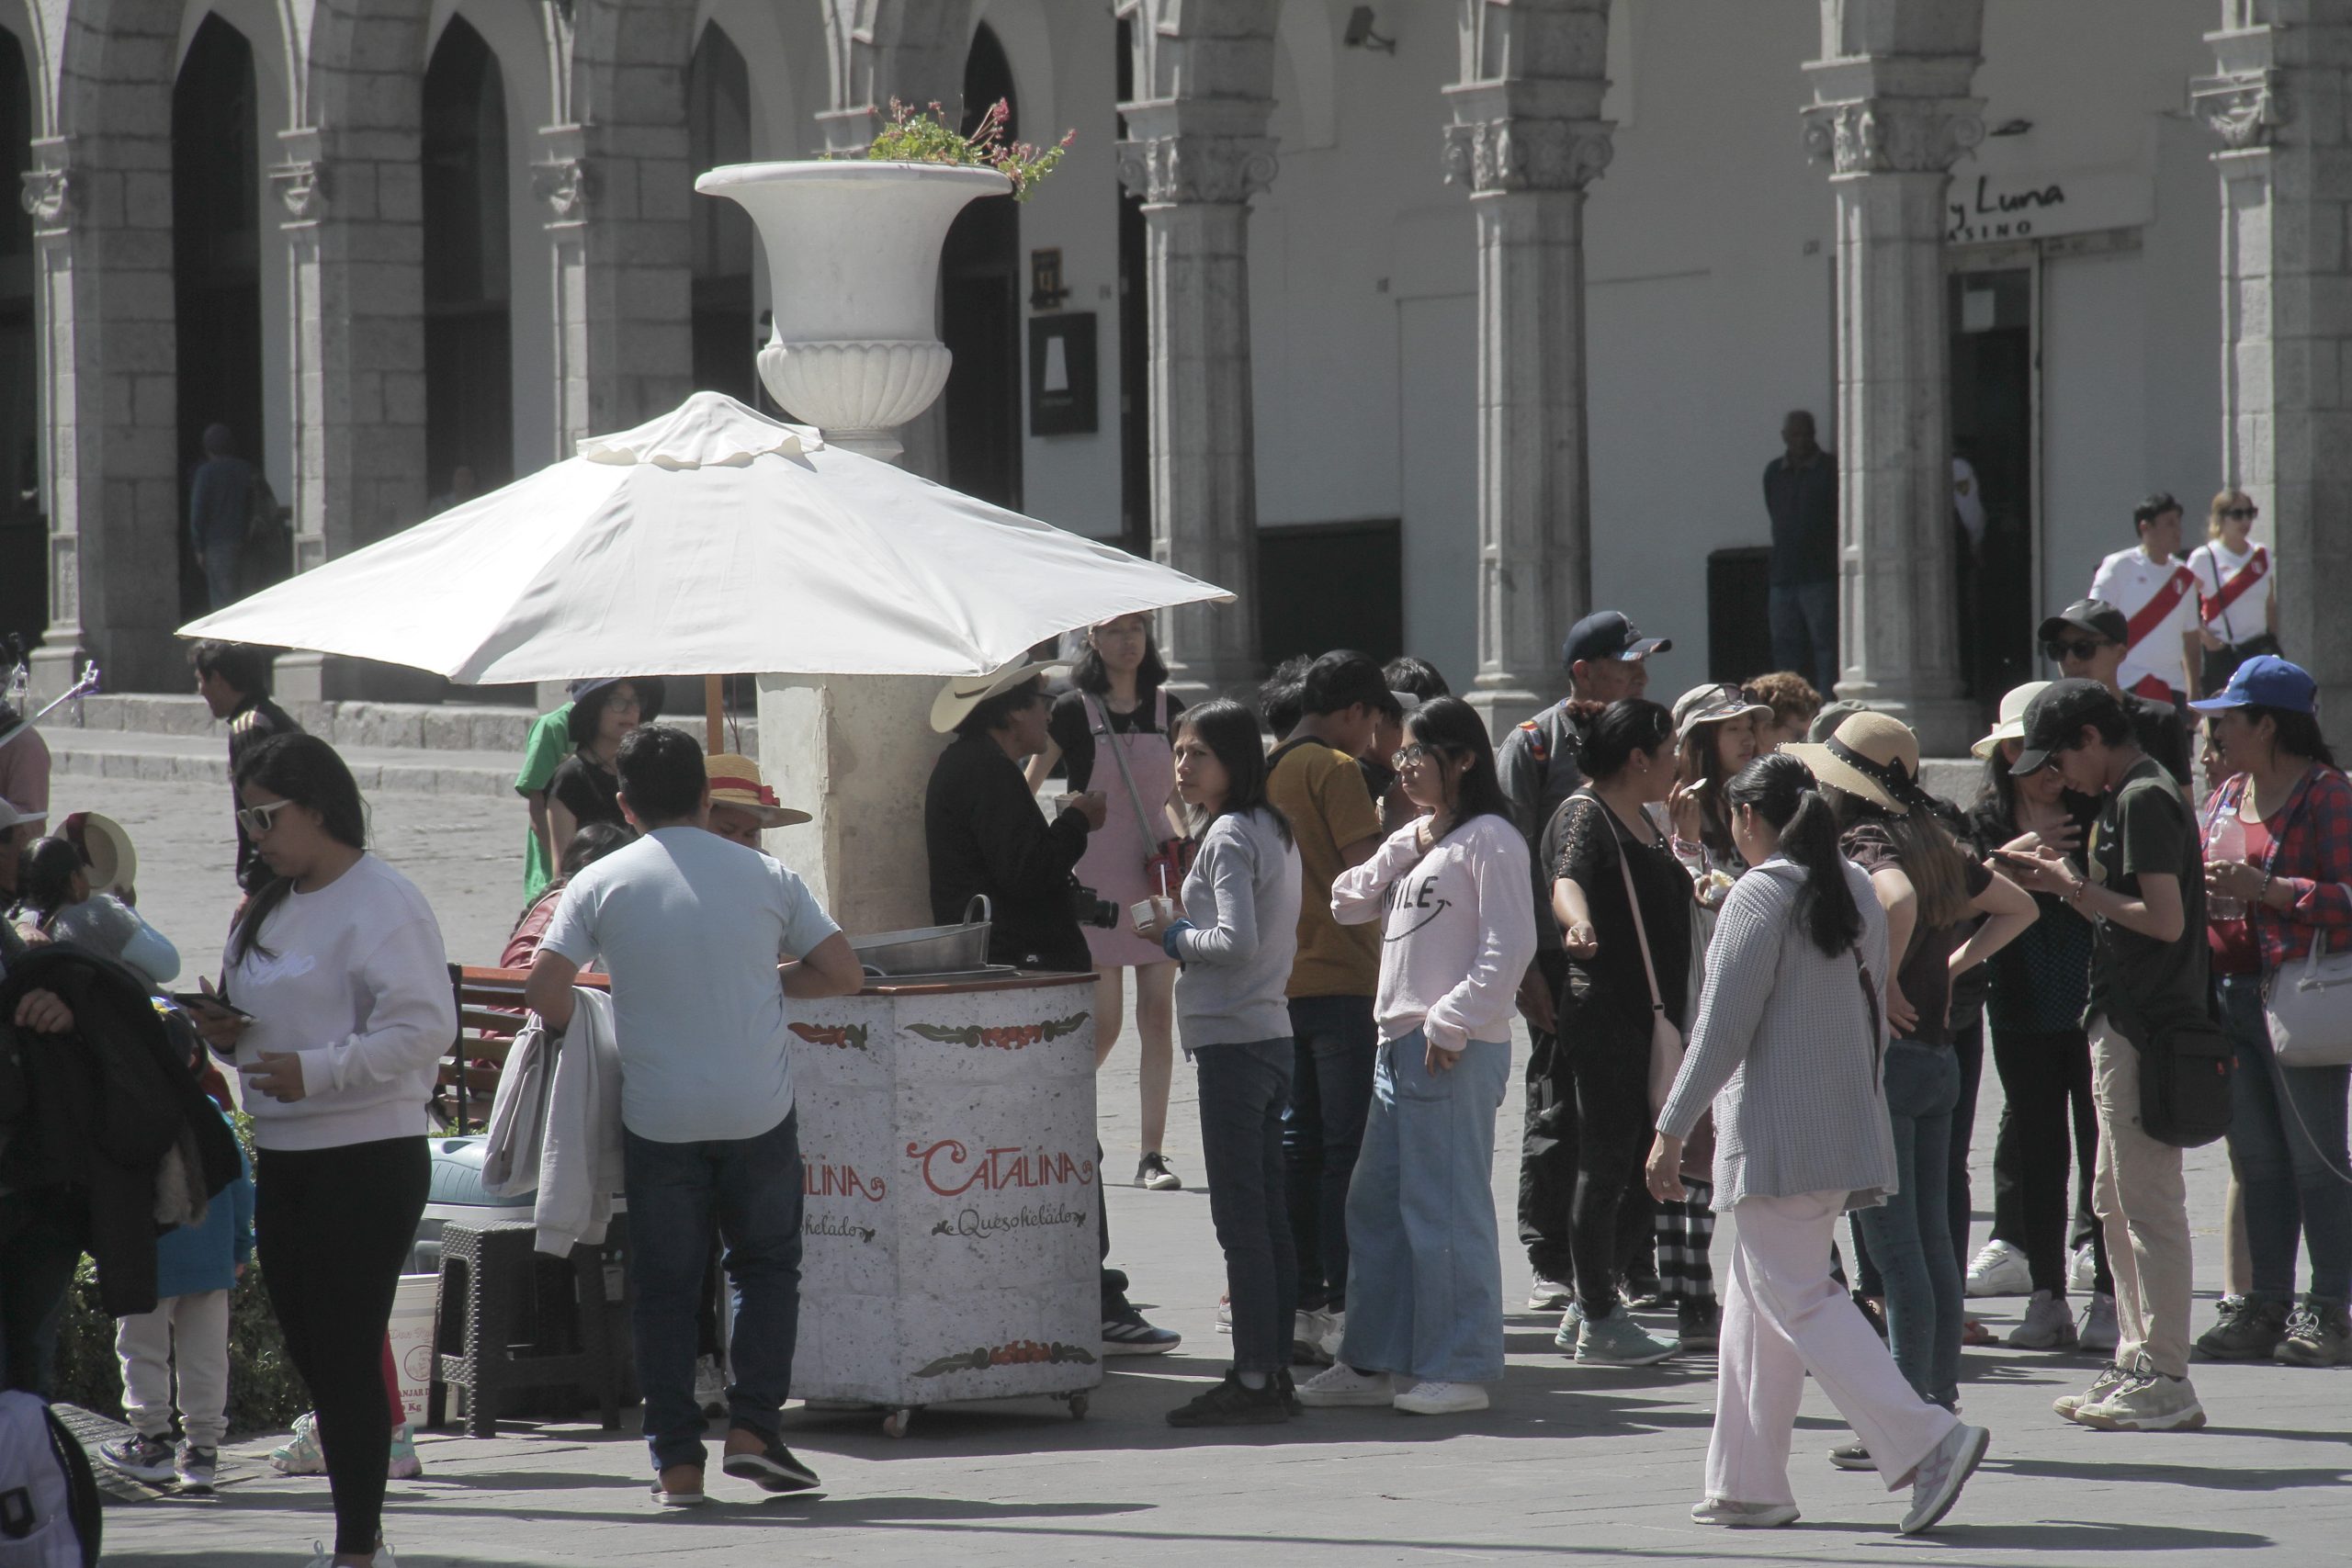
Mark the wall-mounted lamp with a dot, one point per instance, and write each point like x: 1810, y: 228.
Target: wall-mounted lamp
x: 2011, y: 127
x: 1360, y: 34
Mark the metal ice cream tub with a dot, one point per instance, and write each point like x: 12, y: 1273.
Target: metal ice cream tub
x: 929, y: 949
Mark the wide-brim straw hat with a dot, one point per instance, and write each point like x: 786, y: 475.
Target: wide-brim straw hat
x: 2010, y: 725
x: 1871, y: 755
x: 961, y: 696
x: 735, y: 781
x: 114, y: 864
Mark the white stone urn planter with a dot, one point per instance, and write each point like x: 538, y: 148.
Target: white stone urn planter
x: 853, y: 254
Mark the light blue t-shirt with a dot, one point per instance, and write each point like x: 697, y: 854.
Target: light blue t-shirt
x: 690, y: 928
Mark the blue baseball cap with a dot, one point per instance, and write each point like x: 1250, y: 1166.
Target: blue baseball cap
x: 1607, y: 634
x: 2266, y: 681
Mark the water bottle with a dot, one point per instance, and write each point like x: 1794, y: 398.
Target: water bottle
x: 2226, y: 841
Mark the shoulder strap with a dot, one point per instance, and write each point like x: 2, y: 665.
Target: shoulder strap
x: 1641, y: 930
x: 1285, y: 749
x: 1106, y: 741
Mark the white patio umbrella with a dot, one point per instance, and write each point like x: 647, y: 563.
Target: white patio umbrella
x: 712, y: 541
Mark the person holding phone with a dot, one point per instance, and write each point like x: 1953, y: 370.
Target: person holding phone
x: 341, y: 985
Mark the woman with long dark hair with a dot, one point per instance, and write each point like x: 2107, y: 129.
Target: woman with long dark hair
x: 1112, y: 733
x: 1787, y: 1053
x: 2041, y: 984
x: 585, y: 788
x: 337, y: 961
x: 1236, y: 932
x: 1930, y: 889
x: 1424, y: 1327
x: 2278, y: 876
x: 1627, y: 956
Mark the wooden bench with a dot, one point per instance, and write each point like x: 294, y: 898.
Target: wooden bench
x: 490, y: 1014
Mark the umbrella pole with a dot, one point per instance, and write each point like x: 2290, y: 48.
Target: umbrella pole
x: 713, y: 714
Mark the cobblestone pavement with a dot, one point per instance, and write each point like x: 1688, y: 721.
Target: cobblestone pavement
x: 1590, y: 1466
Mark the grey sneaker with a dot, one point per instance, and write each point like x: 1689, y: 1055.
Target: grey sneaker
x: 2070, y: 1406
x: 2148, y: 1401
x: 1935, y: 1487
x: 2049, y: 1324
x: 139, y: 1456
x: 1618, y: 1341
x: 199, y: 1468
x: 1743, y: 1515
x: 1852, y: 1456
x: 1546, y: 1294
x: 2318, y: 1334
x: 2249, y: 1329
x: 1153, y: 1174
x: 1571, y: 1327
x: 2098, y: 1336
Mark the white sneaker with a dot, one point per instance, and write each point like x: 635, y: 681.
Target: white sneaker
x: 1743, y: 1515
x: 1999, y: 1271
x: 2099, y: 1331
x: 1546, y: 1295
x: 1341, y: 1385
x: 710, y: 1386
x: 1429, y: 1397
x: 1308, y: 1329
x: 2049, y: 1324
x: 321, y: 1557
x: 2082, y: 1270
x: 1335, y: 1331
x: 1941, y: 1476
x: 1224, y: 1315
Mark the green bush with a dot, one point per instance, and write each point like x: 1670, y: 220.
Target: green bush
x: 264, y: 1394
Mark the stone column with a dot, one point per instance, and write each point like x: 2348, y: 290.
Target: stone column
x: 101, y: 208
x: 354, y: 223
x: 1526, y: 139
x: 1197, y: 162
x: 1890, y: 116
x: 2276, y: 103
x: 623, y: 261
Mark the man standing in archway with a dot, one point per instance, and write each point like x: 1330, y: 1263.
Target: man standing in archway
x: 219, y: 507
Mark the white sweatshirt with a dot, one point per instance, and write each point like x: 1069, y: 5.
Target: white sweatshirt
x: 1459, y: 931
x: 355, y: 981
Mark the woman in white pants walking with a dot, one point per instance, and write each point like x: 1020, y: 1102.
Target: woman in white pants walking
x: 1789, y: 1049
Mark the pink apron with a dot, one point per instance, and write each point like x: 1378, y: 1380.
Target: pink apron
x: 1116, y: 852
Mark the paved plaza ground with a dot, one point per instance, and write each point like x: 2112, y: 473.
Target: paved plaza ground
x: 1570, y: 1465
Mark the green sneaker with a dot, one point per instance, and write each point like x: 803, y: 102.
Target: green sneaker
x: 1618, y: 1341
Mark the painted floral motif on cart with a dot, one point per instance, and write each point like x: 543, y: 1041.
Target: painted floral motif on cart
x: 1020, y: 1352
x: 840, y: 1036
x: 1010, y: 1037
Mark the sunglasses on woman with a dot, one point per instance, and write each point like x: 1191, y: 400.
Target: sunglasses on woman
x: 2245, y: 513
x: 256, y: 819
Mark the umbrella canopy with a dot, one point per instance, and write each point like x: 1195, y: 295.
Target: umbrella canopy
x: 711, y: 541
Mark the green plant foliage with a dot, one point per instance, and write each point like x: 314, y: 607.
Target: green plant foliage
x: 924, y: 136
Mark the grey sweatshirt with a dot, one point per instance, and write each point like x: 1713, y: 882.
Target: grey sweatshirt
x: 1242, y: 898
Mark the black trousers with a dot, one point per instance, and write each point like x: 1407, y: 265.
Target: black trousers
x: 332, y: 1228
x: 2046, y: 1082
x: 1610, y: 1223
x: 1547, y: 1145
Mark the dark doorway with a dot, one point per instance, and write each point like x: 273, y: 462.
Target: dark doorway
x: 1991, y: 431
x: 718, y: 130
x: 1134, y: 340
x: 24, y: 543
x: 1326, y: 585
x: 216, y: 272
x: 979, y: 282
x: 468, y: 354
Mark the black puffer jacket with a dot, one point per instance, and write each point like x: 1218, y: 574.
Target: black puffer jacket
x: 99, y: 1107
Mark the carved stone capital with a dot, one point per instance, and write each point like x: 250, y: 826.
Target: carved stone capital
x: 301, y: 185
x: 2244, y: 109
x: 50, y: 195
x: 1527, y: 153
x: 1893, y: 135
x: 1195, y: 167
x: 566, y: 185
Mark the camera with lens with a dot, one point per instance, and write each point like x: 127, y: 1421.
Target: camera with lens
x: 1087, y: 909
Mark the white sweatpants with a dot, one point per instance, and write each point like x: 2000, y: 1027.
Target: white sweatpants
x: 190, y: 1332
x: 1783, y: 1316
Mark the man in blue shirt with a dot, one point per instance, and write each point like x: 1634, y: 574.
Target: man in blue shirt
x: 1800, y: 494
x: 219, y: 506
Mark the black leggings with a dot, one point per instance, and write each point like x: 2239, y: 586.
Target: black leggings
x: 1611, y: 1072
x: 2045, y: 1086
x: 333, y: 1228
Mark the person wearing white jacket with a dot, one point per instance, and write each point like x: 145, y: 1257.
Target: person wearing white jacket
x: 1425, y: 1326
x: 344, y: 1012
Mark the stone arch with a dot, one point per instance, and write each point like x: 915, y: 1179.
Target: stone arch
x: 881, y: 50
x: 1027, y: 33
x: 30, y: 25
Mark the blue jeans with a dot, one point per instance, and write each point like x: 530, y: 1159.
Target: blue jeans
x: 2287, y: 1129
x: 1243, y: 1090
x: 1805, y: 630
x: 223, y: 559
x: 1909, y: 1235
x: 1331, y: 1094
x: 750, y: 1189
x: 1425, y: 1288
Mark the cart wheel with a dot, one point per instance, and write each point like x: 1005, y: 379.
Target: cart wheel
x: 895, y: 1423
x: 1078, y: 1403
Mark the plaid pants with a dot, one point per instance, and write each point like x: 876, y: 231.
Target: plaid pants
x: 1686, y: 1230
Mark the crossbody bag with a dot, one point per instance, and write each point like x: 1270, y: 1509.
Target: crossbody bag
x: 1666, y: 1043
x: 1168, y: 861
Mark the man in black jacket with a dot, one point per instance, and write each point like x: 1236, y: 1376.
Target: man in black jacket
x: 233, y: 680
x: 983, y: 832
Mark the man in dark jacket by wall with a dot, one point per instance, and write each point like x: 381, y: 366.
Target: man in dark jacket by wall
x: 233, y: 680
x: 220, y: 508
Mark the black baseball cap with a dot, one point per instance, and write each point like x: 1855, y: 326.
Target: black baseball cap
x: 1607, y: 634
x: 2096, y: 617
x: 2057, y: 716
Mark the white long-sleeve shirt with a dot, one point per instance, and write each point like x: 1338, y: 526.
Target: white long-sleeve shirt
x: 1458, y: 931
x: 354, y: 980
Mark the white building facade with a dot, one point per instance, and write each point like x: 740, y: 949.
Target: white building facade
x: 1428, y: 327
